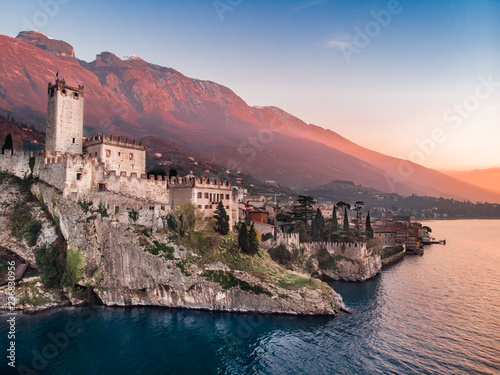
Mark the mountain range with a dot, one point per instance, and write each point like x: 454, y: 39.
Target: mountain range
x: 139, y: 99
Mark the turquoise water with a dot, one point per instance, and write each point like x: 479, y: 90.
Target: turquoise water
x: 435, y: 314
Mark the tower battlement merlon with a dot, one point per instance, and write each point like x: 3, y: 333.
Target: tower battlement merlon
x: 114, y: 141
x: 60, y: 85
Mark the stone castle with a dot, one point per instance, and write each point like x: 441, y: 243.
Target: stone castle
x: 109, y: 170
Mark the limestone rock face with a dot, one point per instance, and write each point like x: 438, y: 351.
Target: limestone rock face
x: 357, y: 270
x: 9, y: 195
x: 55, y: 47
x: 122, y: 273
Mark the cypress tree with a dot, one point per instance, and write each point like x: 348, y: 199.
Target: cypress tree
x: 346, y: 220
x: 318, y: 227
x: 335, y: 223
x: 8, y: 144
x: 369, y: 229
x: 314, y: 230
x: 252, y: 241
x: 243, y: 240
x: 221, y: 219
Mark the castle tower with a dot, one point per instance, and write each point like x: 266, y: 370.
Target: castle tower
x: 64, y: 128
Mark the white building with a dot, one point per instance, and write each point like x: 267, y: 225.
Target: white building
x: 204, y: 193
x: 118, y: 154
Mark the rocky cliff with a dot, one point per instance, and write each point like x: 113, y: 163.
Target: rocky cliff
x: 354, y: 270
x: 125, y: 264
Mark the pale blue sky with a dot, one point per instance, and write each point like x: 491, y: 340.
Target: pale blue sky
x: 416, y: 66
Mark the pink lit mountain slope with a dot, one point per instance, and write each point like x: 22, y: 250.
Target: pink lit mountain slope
x: 485, y: 178
x: 135, y: 98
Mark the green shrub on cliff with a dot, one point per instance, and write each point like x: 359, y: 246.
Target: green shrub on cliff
x: 48, y: 260
x: 74, y: 267
x: 281, y: 255
x: 24, y: 225
x: 227, y: 281
x: 185, y: 219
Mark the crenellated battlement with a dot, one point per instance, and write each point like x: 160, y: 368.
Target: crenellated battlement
x: 147, y: 179
x: 70, y: 159
x: 198, y: 182
x: 354, y: 251
x: 60, y: 85
x: 113, y: 141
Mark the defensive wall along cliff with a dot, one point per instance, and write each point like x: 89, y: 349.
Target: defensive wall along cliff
x: 354, y: 251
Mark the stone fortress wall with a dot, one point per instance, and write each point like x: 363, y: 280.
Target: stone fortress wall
x: 354, y: 251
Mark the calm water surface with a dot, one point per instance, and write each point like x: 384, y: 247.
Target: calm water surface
x: 435, y: 314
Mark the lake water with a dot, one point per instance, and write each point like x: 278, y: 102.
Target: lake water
x: 435, y: 314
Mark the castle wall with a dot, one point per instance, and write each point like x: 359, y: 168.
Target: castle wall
x: 354, y: 251
x: 119, y: 208
x: 17, y: 164
x: 152, y: 190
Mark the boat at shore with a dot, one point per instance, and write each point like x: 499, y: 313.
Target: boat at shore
x: 427, y: 240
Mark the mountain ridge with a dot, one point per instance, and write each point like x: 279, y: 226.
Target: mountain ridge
x: 135, y: 98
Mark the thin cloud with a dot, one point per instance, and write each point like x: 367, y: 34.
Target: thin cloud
x: 343, y: 41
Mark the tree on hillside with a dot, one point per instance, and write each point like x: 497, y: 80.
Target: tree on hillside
x: 369, y: 229
x: 345, y: 206
x: 346, y: 220
x: 318, y: 227
x: 342, y: 205
x: 243, y: 240
x: 253, y: 242
x: 172, y: 172
x: 221, y: 219
x: 335, y: 223
x: 358, y: 207
x: 185, y: 219
x: 303, y: 210
x: 157, y: 171
x: 8, y: 144
x: 301, y: 229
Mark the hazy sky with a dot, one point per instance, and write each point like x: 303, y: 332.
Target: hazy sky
x: 388, y: 75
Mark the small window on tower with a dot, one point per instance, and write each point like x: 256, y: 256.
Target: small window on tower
x: 73, y: 140
x: 131, y: 156
x: 78, y: 176
x: 108, y: 153
x: 64, y: 92
x: 76, y: 95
